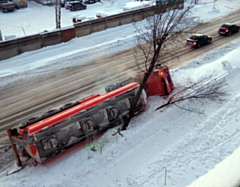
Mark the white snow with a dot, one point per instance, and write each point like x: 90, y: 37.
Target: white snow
x: 230, y: 167
x: 137, y: 5
x: 190, y: 146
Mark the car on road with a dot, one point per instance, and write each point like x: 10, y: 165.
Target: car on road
x: 228, y: 29
x: 197, y: 40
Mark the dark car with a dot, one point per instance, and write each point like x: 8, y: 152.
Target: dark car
x: 197, y: 40
x: 90, y: 1
x: 227, y: 29
x: 67, y: 3
x: 77, y: 6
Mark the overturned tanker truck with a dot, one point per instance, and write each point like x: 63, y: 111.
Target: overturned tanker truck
x: 43, y: 137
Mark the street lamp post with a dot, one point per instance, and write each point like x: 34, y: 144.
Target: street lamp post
x: 58, y: 13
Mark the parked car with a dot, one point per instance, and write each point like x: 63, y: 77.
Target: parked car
x: 227, y: 29
x: 197, y: 40
x: 77, y: 6
x: 68, y: 3
x: 6, y: 6
x: 90, y: 1
x: 63, y: 2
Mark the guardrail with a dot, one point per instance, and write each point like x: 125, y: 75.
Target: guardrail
x: 17, y: 46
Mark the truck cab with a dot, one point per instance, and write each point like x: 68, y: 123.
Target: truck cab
x: 159, y: 82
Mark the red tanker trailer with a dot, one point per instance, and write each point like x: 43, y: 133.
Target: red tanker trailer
x: 55, y: 131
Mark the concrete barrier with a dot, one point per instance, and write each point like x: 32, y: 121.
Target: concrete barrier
x: 17, y: 46
x: 138, y: 15
x: 150, y: 12
x: 9, y: 49
x: 98, y: 25
x: 51, y: 38
x: 83, y: 29
x: 29, y: 43
x: 126, y: 18
x: 1, y: 36
x: 68, y: 33
x: 113, y: 21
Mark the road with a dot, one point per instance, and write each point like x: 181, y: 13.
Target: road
x: 26, y: 98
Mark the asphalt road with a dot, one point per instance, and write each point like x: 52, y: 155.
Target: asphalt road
x: 26, y: 98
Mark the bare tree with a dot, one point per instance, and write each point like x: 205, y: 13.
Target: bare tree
x: 208, y: 87
x: 160, y: 31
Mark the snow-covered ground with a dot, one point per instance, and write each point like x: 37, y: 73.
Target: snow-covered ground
x: 34, y: 20
x: 229, y: 167
x: 186, y: 144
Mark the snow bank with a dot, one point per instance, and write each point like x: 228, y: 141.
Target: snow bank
x: 136, y: 5
x: 226, y: 173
